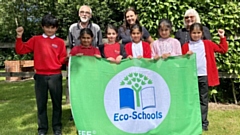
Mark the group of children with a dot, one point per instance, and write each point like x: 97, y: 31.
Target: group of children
x: 50, y: 54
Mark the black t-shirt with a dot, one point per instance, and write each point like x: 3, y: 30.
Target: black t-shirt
x: 125, y: 35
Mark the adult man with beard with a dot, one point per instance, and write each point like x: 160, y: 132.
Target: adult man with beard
x: 85, y: 14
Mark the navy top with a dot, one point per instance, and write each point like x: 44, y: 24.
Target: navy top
x: 125, y: 35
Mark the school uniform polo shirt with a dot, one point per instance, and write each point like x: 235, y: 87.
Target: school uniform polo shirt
x: 87, y: 51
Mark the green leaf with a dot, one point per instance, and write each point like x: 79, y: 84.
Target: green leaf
x: 143, y: 83
x: 150, y: 82
x: 129, y: 83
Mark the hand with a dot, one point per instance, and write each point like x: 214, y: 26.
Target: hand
x: 139, y: 57
x: 221, y: 33
x: 166, y: 55
x: 97, y: 56
x: 129, y: 56
x: 79, y: 54
x: 67, y: 58
x: 118, y: 59
x: 19, y: 31
x: 156, y: 57
x: 190, y: 52
x: 111, y: 59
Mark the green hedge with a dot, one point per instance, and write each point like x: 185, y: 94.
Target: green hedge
x: 214, y: 15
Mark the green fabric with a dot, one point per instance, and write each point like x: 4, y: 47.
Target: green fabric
x: 165, y: 96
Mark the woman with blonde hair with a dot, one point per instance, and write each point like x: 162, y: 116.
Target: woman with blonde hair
x: 191, y: 16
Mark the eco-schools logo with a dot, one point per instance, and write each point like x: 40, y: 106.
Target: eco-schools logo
x: 137, y: 100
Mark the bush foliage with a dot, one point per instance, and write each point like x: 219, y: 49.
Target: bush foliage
x: 214, y: 14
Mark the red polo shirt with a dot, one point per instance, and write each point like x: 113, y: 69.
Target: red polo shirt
x: 112, y: 50
x: 88, y: 51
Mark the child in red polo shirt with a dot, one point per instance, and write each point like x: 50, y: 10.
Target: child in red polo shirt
x: 137, y: 48
x: 86, y: 37
x: 113, y: 50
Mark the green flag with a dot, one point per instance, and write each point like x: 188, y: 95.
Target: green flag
x: 135, y: 97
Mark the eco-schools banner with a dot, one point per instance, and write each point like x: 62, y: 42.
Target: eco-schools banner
x: 135, y: 97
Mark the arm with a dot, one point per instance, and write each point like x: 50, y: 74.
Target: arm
x: 223, y: 46
x: 74, y: 51
x: 97, y: 53
x: 185, y: 48
x: 128, y: 49
x: 101, y: 49
x: 63, y: 54
x: 178, y: 48
x: 70, y: 40
x: 155, y: 51
x: 99, y: 34
x: 147, y: 50
x: 122, y: 51
x: 20, y: 47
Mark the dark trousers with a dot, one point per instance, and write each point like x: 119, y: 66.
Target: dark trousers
x: 203, y: 93
x: 53, y: 83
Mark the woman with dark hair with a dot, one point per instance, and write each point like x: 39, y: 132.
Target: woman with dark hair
x: 191, y: 16
x: 131, y: 18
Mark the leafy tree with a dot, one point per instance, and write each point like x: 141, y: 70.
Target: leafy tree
x: 136, y: 81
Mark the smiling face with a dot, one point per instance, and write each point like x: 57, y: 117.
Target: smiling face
x: 189, y: 19
x: 85, y: 14
x: 86, y: 40
x: 111, y: 35
x: 131, y: 17
x: 196, y: 34
x: 136, y: 35
x: 49, y: 30
x: 164, y: 31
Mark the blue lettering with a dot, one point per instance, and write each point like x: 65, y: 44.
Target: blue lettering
x: 121, y: 117
x: 139, y: 116
x: 153, y: 116
x: 115, y: 117
x: 159, y: 114
x: 134, y: 115
x: 126, y: 117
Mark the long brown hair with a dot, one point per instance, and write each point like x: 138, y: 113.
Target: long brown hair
x: 126, y: 25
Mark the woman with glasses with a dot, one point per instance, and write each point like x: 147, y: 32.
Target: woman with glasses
x: 191, y: 16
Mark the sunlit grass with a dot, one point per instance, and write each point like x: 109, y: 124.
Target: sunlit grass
x: 18, y: 113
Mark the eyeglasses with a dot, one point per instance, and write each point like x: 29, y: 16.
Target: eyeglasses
x: 191, y: 17
x: 86, y: 12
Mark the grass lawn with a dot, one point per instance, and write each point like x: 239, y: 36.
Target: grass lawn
x: 18, y: 113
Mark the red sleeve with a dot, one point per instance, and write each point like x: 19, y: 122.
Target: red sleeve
x: 222, y: 47
x: 63, y: 53
x: 97, y: 51
x: 74, y: 51
x: 23, y: 48
x: 146, y: 50
x: 185, y: 48
x: 128, y: 49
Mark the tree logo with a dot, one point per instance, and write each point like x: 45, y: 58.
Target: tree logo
x: 137, y: 97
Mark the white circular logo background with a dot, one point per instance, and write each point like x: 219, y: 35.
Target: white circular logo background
x: 130, y: 125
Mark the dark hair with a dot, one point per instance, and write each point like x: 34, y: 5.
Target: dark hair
x: 125, y: 24
x: 166, y: 23
x: 136, y: 26
x: 110, y: 26
x: 49, y: 20
x: 194, y: 26
x: 86, y: 31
